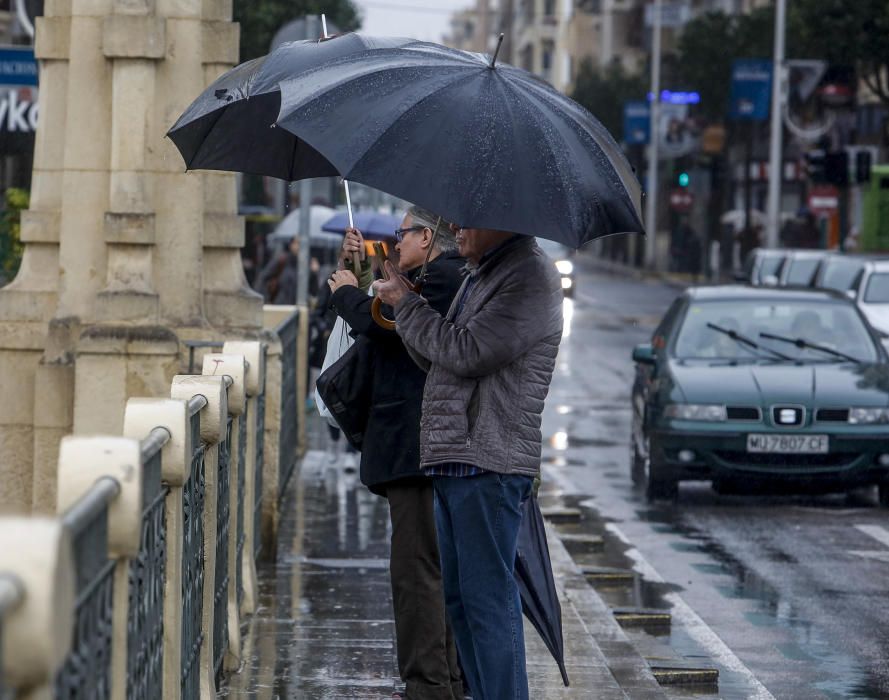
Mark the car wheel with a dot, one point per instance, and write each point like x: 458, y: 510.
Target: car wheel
x: 883, y: 494
x: 662, y: 490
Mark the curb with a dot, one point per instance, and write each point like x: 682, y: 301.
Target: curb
x: 614, y: 649
x: 675, y: 280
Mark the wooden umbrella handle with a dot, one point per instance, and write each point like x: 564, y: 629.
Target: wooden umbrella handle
x: 376, y: 311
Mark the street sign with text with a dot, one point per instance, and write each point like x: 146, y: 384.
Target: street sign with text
x: 637, y: 122
x: 751, y: 92
x: 18, y: 66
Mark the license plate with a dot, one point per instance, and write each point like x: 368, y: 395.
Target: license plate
x: 788, y: 444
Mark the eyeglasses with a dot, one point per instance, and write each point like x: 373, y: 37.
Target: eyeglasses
x: 399, y: 232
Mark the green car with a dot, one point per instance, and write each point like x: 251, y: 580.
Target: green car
x: 744, y: 384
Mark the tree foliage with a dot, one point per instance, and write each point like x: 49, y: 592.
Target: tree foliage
x: 261, y: 19
x: 604, y: 92
x: 842, y: 33
x: 847, y: 33
x: 11, y: 247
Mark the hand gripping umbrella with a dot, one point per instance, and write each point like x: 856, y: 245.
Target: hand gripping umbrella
x: 483, y: 145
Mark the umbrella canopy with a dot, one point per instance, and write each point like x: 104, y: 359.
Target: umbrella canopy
x: 372, y: 225
x: 231, y: 125
x: 534, y: 575
x: 484, y: 147
x: 289, y: 225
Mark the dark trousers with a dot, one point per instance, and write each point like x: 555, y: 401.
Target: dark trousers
x: 427, y: 657
x: 478, y: 519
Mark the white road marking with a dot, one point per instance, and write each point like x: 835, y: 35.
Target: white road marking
x: 697, y: 629
x: 880, y: 534
x: 876, y: 554
x: 681, y: 611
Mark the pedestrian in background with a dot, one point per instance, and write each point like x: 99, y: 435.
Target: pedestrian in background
x: 490, y: 361
x: 390, y: 458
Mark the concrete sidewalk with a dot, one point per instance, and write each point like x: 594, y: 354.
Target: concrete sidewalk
x: 325, y: 630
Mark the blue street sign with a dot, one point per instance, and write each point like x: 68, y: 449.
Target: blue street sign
x: 751, y: 89
x: 18, y: 66
x: 637, y: 122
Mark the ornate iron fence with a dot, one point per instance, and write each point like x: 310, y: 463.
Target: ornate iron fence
x: 259, y: 461
x: 288, y: 332
x: 193, y: 559
x: 145, y: 619
x: 11, y: 594
x: 242, y: 482
x: 85, y: 674
x: 223, y: 508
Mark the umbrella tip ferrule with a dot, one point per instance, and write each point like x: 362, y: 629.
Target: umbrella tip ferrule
x: 497, y: 51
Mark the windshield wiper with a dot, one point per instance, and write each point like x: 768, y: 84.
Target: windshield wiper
x: 743, y: 341
x: 802, y: 344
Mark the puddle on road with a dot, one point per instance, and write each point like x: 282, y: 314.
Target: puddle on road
x: 848, y: 678
x: 844, y: 676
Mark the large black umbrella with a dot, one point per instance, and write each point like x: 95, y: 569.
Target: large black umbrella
x: 231, y: 125
x: 485, y: 147
x: 534, y: 575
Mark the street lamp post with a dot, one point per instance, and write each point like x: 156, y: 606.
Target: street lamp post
x: 773, y: 216
x: 651, y: 199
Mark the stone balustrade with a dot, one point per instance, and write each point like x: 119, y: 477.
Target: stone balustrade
x: 138, y: 587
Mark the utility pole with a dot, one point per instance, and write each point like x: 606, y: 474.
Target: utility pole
x: 773, y: 219
x: 651, y: 199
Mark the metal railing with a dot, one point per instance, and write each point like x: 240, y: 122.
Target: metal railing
x: 145, y: 614
x: 239, y: 523
x: 193, y: 561
x: 259, y: 460
x: 288, y: 333
x: 11, y: 595
x: 86, y: 672
x: 223, y: 508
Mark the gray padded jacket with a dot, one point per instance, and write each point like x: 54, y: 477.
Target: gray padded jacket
x: 490, y: 365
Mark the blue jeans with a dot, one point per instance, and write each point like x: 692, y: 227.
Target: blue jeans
x: 478, y: 520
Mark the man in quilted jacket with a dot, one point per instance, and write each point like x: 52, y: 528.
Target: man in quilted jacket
x: 490, y: 361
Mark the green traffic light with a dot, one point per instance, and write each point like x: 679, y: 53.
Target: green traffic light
x: 683, y: 179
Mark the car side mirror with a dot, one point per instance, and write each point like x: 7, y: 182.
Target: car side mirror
x: 770, y: 281
x: 851, y: 294
x: 644, y: 354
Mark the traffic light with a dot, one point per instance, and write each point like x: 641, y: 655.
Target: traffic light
x: 683, y: 179
x: 815, y: 165
x: 863, y: 162
x: 836, y: 168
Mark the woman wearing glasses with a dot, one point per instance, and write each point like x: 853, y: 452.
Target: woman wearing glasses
x: 390, y: 460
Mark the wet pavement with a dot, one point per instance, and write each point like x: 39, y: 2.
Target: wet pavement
x: 786, y: 595
x: 324, y: 626
x: 781, y: 596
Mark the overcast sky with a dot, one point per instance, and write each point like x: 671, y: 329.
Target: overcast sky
x: 427, y: 20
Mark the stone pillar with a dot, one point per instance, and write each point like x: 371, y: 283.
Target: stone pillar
x: 125, y: 252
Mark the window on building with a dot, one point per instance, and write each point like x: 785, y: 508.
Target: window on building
x: 547, y: 49
x: 549, y: 8
x: 528, y: 58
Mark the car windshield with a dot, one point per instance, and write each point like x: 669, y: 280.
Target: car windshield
x: 556, y: 251
x: 839, y: 274
x: 801, y: 271
x: 877, y: 291
x: 833, y: 325
x: 770, y: 266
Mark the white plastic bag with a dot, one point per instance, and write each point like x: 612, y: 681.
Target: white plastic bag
x: 337, y: 343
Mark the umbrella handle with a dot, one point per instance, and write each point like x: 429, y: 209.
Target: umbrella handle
x: 376, y: 311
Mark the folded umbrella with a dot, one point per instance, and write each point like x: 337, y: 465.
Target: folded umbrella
x: 484, y: 145
x: 373, y: 226
x: 231, y: 125
x: 534, y: 575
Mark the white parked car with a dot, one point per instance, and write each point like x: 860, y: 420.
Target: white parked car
x: 871, y: 292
